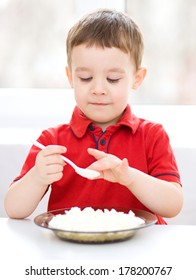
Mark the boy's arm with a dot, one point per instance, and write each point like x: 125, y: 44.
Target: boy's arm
x: 25, y: 194
x: 161, y: 197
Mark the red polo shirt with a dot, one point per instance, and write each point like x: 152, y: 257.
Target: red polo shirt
x: 145, y: 145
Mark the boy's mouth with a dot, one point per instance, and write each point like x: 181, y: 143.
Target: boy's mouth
x: 99, y: 103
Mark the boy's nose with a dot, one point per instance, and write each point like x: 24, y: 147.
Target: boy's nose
x: 99, y: 89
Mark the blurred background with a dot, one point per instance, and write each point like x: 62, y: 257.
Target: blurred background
x: 34, y: 91
x: 33, y: 54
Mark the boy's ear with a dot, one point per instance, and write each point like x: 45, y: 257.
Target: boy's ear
x: 69, y: 76
x: 139, y: 77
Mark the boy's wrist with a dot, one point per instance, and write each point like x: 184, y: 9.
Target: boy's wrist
x: 35, y: 179
x: 128, y: 179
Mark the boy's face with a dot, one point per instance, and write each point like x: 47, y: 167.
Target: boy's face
x: 102, y: 79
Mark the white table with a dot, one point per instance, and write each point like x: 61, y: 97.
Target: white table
x: 30, y: 241
x: 24, y: 242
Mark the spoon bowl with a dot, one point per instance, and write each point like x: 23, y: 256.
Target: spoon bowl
x: 84, y: 172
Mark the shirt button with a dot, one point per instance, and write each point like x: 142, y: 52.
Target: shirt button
x: 91, y: 127
x: 102, y: 142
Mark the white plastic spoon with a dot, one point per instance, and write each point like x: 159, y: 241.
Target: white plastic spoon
x: 84, y: 172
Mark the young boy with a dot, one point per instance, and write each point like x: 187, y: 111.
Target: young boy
x: 135, y: 160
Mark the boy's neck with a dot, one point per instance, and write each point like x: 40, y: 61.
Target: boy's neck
x: 105, y: 125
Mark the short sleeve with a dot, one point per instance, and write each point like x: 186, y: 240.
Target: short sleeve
x: 160, y: 156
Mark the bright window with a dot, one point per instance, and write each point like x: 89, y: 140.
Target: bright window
x: 32, y: 48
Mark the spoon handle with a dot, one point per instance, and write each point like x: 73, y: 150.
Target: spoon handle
x: 41, y: 146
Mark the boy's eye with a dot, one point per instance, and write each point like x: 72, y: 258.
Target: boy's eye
x: 112, y: 81
x: 86, y: 79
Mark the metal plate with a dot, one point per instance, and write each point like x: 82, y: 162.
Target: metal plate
x: 43, y: 220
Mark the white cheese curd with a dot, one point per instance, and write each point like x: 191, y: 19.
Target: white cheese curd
x: 90, y: 220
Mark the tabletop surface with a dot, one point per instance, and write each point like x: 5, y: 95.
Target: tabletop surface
x: 28, y: 241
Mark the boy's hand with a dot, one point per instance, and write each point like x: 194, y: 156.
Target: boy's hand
x: 49, y: 165
x: 111, y: 167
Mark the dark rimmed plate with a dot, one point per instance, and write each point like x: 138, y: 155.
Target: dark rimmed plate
x: 43, y: 220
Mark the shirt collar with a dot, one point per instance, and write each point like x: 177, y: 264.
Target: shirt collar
x: 79, y: 122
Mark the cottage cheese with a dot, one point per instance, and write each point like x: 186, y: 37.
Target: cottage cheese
x: 90, y: 220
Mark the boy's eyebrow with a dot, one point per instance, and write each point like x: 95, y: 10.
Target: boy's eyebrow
x: 116, y: 69
x: 78, y: 69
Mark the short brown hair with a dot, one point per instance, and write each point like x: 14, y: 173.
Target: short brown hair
x: 107, y: 28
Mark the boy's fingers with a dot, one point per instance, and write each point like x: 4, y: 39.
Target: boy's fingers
x: 54, y: 149
x: 96, y: 153
x: 104, y: 161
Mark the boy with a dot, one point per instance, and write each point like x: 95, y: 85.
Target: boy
x: 136, y: 163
